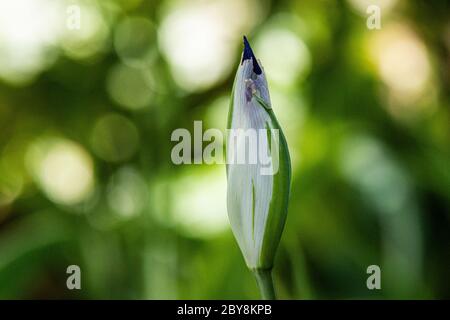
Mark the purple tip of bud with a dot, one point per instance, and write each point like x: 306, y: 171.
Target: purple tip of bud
x: 248, y: 54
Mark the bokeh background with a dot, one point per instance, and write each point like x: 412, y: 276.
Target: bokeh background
x: 86, y: 116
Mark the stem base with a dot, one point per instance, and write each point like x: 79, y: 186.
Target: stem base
x: 265, y: 283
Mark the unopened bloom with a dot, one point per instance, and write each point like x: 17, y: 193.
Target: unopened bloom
x: 257, y: 202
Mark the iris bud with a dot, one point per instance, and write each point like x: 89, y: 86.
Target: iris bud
x: 257, y: 191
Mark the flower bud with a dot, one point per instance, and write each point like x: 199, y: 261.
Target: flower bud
x: 257, y: 198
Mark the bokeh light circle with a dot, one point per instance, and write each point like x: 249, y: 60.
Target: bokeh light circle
x: 129, y: 87
x: 114, y: 138
x: 127, y: 192
x: 134, y: 41
x: 290, y: 60
x: 62, y: 168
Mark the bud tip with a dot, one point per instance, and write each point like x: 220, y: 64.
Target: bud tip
x: 248, y: 54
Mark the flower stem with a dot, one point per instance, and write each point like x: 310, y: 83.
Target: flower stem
x: 265, y: 283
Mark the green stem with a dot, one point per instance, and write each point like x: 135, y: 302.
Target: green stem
x: 265, y: 283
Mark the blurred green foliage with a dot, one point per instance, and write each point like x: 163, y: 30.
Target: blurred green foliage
x: 87, y: 112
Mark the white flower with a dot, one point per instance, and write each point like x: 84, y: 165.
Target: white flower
x: 257, y: 198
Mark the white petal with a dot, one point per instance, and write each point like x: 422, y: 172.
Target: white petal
x: 249, y: 192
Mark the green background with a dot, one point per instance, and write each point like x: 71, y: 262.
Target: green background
x: 86, y: 177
